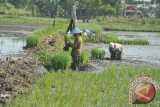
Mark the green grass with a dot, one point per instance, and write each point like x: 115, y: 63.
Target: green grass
x: 31, y: 20
x: 131, y: 24
x: 97, y: 53
x: 34, y: 39
x: 107, y: 38
x: 74, y: 89
x: 110, y: 23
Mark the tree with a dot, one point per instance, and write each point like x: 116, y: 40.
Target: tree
x: 107, y: 10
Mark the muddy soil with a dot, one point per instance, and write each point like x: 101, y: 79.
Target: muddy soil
x: 18, y: 69
x: 17, y: 76
x: 141, y: 55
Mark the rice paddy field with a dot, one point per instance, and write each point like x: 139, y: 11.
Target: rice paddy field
x: 131, y: 24
x: 86, y: 89
x: 62, y: 87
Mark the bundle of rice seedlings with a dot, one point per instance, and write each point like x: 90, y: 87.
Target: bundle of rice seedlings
x: 85, y: 57
x: 97, y: 53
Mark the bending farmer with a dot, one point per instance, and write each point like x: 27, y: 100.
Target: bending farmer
x: 76, y: 47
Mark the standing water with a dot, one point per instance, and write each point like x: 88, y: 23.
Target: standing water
x: 12, y: 40
x: 135, y: 54
x: 10, y: 46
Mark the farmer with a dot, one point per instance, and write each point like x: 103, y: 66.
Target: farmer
x: 76, y: 47
x: 115, y: 51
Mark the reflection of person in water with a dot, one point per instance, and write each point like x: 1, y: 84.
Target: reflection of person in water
x: 76, y: 47
x: 115, y: 51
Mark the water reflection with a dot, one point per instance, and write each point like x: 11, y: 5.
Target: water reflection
x: 11, y: 45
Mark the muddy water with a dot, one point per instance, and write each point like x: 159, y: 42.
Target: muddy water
x: 12, y: 40
x: 146, y: 55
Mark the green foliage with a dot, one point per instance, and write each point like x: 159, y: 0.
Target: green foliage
x: 85, y: 57
x: 61, y: 61
x: 107, y: 10
x: 70, y: 89
x: 34, y: 38
x: 8, y: 9
x: 114, y: 38
x: 97, y: 53
x: 56, y: 60
x: 130, y: 24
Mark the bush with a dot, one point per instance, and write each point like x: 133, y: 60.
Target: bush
x: 98, y: 53
x: 85, y: 56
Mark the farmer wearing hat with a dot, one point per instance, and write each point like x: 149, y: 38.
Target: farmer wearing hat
x: 76, y: 47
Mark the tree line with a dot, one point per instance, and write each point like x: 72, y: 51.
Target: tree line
x: 62, y: 8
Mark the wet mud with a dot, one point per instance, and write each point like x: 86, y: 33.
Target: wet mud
x: 140, y: 55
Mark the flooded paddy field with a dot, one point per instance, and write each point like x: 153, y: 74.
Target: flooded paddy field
x: 13, y: 39
x: 140, y: 55
x: 17, y: 71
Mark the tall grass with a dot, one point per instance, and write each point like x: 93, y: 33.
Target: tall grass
x: 97, y: 53
x: 70, y: 89
x: 107, y: 38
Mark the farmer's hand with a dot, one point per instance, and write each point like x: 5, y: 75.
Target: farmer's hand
x: 70, y: 44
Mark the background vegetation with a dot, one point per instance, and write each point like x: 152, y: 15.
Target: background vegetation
x: 85, y: 8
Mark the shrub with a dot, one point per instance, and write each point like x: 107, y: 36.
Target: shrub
x: 85, y: 56
x: 98, y: 53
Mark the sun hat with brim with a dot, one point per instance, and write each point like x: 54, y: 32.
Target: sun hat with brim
x: 76, y: 30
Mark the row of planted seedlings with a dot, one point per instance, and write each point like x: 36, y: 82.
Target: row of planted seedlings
x: 107, y: 38
x: 69, y: 89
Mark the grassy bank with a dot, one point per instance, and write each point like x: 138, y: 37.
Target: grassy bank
x: 109, y: 23
x: 70, y: 89
x: 8, y: 19
x: 131, y: 24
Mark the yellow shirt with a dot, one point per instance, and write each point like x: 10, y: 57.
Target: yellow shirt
x: 77, y: 46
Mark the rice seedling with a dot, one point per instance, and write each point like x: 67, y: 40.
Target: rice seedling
x: 97, y: 53
x: 61, y: 60
x: 84, y: 89
x: 114, y: 38
x: 56, y: 60
x: 85, y: 57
